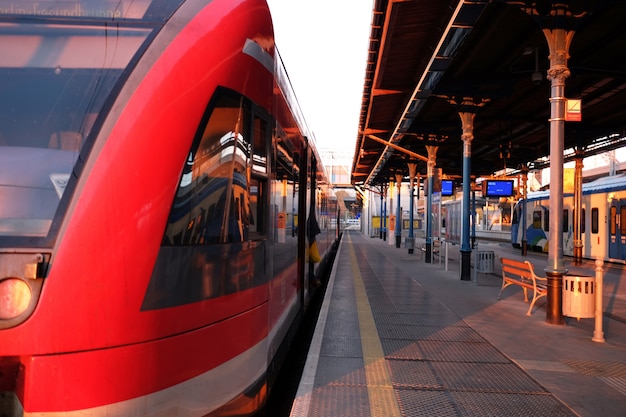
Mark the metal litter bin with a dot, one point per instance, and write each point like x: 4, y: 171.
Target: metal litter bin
x: 579, y: 296
x: 484, y: 261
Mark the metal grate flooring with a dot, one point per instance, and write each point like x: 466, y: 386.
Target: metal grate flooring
x: 437, y: 364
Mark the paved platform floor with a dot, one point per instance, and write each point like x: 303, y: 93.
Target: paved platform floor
x: 401, y: 337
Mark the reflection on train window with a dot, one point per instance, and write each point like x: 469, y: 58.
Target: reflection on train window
x: 287, y: 202
x: 55, y: 79
x: 258, y: 181
x: 537, y: 219
x: 259, y: 161
x: 595, y: 220
x: 257, y: 216
x: 212, y: 203
x: 613, y: 224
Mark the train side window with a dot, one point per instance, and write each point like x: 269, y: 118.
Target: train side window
x: 537, y: 219
x: 613, y: 221
x: 260, y: 136
x: 212, y: 203
x: 258, y: 181
x: 257, y: 196
x: 595, y: 220
x: 565, y: 220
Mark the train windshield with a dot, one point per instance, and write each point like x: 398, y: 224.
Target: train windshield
x: 60, y: 63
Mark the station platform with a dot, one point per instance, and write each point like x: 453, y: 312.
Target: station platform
x: 397, y: 336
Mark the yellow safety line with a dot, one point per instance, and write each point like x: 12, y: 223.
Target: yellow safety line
x: 383, y: 402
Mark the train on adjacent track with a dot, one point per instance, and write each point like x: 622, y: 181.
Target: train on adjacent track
x: 160, y: 194
x: 602, y: 220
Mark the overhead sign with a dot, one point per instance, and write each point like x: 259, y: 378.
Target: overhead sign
x: 447, y: 187
x: 573, y: 110
x: 498, y: 188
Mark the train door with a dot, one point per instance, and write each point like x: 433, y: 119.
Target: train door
x: 617, y: 229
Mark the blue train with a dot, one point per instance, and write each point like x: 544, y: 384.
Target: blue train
x: 603, y: 220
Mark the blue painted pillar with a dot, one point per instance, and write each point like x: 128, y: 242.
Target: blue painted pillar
x: 398, y: 231
x: 473, y: 217
x: 432, y: 156
x: 412, y: 172
x: 381, y: 212
x: 524, y: 196
x: 384, y: 213
x: 467, y: 121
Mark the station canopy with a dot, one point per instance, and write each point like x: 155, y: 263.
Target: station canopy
x: 430, y: 59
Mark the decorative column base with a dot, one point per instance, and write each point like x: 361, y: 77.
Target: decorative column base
x: 578, y: 252
x: 398, y: 241
x: 466, y: 265
x: 554, y: 307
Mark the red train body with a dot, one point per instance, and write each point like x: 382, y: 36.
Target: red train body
x: 155, y: 175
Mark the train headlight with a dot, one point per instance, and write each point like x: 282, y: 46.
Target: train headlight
x: 15, y: 298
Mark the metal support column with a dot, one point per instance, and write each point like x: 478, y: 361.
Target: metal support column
x: 384, y: 219
x: 467, y: 121
x: 412, y: 171
x: 559, y: 40
x: 524, y: 195
x: 392, y: 222
x: 381, y: 212
x: 398, y: 211
x: 578, y: 206
x: 432, y: 156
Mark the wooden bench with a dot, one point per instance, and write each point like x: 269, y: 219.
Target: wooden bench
x: 523, y: 274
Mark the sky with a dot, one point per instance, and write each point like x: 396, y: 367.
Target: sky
x: 323, y: 44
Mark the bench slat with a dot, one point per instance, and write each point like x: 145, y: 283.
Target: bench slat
x: 522, y: 274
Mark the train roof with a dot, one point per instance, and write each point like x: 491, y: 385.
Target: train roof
x: 601, y: 185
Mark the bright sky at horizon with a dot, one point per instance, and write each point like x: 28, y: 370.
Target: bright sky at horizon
x: 324, y: 46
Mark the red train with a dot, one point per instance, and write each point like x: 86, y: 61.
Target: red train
x: 157, y: 183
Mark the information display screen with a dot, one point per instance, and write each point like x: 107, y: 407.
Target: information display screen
x: 447, y: 187
x: 498, y: 188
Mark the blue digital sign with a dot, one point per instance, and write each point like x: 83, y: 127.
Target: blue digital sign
x: 498, y: 188
x: 447, y: 187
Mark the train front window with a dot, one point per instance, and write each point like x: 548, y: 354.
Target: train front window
x: 55, y: 79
